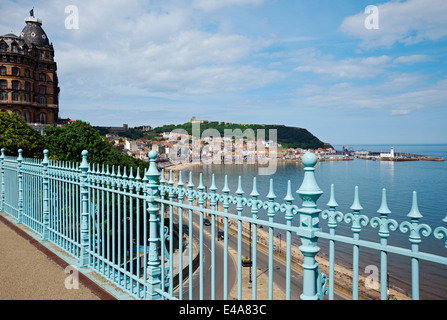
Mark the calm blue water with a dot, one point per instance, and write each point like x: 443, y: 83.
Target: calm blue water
x: 427, y: 178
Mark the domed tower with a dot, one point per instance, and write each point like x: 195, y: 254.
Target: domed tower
x: 28, y: 75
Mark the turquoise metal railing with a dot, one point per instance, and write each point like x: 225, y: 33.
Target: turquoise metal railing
x: 129, y: 227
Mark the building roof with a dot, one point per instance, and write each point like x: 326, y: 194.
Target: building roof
x: 33, y: 33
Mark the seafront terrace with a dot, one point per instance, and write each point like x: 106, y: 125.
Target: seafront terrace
x: 120, y: 225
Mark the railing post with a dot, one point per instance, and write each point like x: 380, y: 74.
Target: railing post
x: 154, y: 264
x: 85, y: 241
x: 46, y: 218
x: 20, y: 181
x: 2, y: 172
x: 309, y: 192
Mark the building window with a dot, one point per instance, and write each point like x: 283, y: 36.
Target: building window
x: 3, y: 84
x: 15, y: 71
x: 4, y: 95
x: 42, y: 100
x: 42, y: 89
x: 17, y: 112
x: 15, y: 85
x: 3, y: 46
x: 3, y: 71
x: 26, y: 97
x: 27, y: 86
x: 26, y: 73
x: 42, y: 77
x: 14, y: 48
x: 43, y: 118
x: 42, y: 56
x: 15, y: 96
x: 27, y: 119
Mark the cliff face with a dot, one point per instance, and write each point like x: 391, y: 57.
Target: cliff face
x: 288, y: 137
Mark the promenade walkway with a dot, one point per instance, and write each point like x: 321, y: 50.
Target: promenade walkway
x: 30, y: 271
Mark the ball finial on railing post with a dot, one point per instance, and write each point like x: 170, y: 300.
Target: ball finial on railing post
x: 309, y: 191
x: 45, y: 157
x: 152, y: 172
x: 84, y: 163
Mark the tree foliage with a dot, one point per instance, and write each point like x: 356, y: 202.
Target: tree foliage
x: 67, y: 143
x: 16, y: 134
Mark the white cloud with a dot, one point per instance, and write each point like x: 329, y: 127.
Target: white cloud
x: 212, y: 5
x: 407, y: 22
x: 156, y: 48
x: 350, y: 68
x: 412, y: 59
x: 391, y: 97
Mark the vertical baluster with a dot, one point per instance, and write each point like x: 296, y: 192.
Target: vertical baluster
x: 190, y: 233
x: 384, y: 233
x: 333, y: 217
x: 271, y: 214
x: 93, y: 214
x: 126, y: 256
x: 103, y: 221
x: 20, y: 189
x: 45, y: 162
x: 145, y: 236
x: 137, y: 204
x: 239, y: 208
x: 171, y: 234
x: 99, y: 218
x: 180, y: 185
x: 64, y: 203
x: 415, y: 239
x: 202, y: 196
x: 162, y: 231
x: 59, y: 205
x: 357, y: 220
x: 107, y: 184
x: 2, y: 172
x: 213, y: 203
x: 119, y: 223
x: 114, y: 228
x: 289, y: 216
x: 254, y: 268
x: 226, y: 206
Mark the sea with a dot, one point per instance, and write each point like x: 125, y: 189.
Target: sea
x: 400, y: 179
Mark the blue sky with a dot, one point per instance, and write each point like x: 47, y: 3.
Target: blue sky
x: 310, y: 64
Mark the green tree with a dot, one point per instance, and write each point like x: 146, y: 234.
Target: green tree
x: 67, y: 143
x: 16, y: 134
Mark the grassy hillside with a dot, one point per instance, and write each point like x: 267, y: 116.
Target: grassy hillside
x: 289, y: 137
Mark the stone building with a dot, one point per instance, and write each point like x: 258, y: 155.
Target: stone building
x: 28, y: 75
